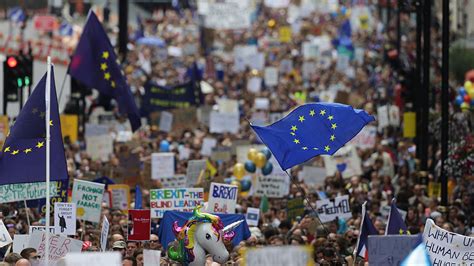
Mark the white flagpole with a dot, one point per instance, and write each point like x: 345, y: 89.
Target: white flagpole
x: 48, y: 118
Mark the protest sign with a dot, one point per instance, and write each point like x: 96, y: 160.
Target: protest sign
x: 447, y: 248
x: 59, y: 246
x: 139, y: 223
x: 259, y: 118
x: 227, y: 16
x: 158, y: 98
x: 166, y: 121
x: 162, y: 165
x: 228, y: 106
x: 284, y: 34
x: 328, y: 209
x: 129, y: 165
x: 366, y: 138
x: 271, y: 76
x: 151, y: 257
x: 308, y: 69
x: 176, y: 181
x: 194, y: 170
x: 345, y: 160
x: 295, y: 208
x: 178, y: 199
x: 262, y: 103
x: 65, y: 218
x: 183, y: 119
x: 100, y: 147
x: 310, y: 50
x: 224, y: 122
x: 222, y: 198
x: 221, y: 154
x: 434, y: 189
x: 388, y: 115
x: 312, y: 175
x: 277, y: 3
x: 69, y: 126
x: 40, y: 228
x: 104, y: 233
x: 273, y: 186
x: 207, y: 145
x: 20, y: 242
x: 93, y: 259
x: 409, y: 125
x: 120, y: 196
x: 26, y: 191
x: 5, y: 238
x: 280, y: 256
x: 203, y: 114
x: 252, y: 216
x: 88, y: 198
x: 254, y: 84
x: 390, y: 250
x: 96, y: 129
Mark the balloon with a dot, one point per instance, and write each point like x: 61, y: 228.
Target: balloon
x: 236, y: 183
x: 472, y: 102
x: 343, y: 10
x: 227, y: 180
x: 468, y: 85
x: 471, y: 93
x: 239, y: 170
x: 465, y: 107
x: 271, y: 23
x: 260, y: 160
x: 467, y: 99
x: 267, y: 153
x: 459, y: 100
x: 462, y: 91
x: 250, y: 167
x: 245, y: 185
x: 251, y: 154
x: 164, y: 146
x: 267, y: 169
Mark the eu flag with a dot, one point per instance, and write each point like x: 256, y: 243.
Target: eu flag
x: 396, y: 224
x: 23, y: 156
x: 95, y: 64
x: 311, y: 130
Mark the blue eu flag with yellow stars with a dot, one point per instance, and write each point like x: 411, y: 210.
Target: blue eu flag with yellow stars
x: 395, y: 225
x: 94, y: 64
x: 23, y: 155
x: 311, y: 130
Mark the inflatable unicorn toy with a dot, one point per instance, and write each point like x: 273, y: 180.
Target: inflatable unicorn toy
x: 202, y: 233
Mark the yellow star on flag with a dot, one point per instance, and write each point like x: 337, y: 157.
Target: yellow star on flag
x: 103, y: 66
x: 305, y: 148
x: 40, y: 144
x: 105, y: 55
x: 15, y: 152
x: 292, y: 133
x: 333, y: 126
x: 332, y: 138
x: 27, y: 150
x: 50, y: 123
x: 311, y: 113
x: 7, y: 149
x: 322, y: 112
x: 400, y: 231
x: 330, y: 117
x: 301, y: 119
x: 107, y: 75
x: 297, y: 141
x: 294, y: 128
x: 326, y: 148
x: 112, y: 84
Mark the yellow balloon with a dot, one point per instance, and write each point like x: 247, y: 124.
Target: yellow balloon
x: 471, y: 93
x: 260, y: 160
x: 236, y: 183
x: 468, y: 85
x: 239, y: 170
x: 252, y: 153
x: 465, y: 107
x: 271, y: 23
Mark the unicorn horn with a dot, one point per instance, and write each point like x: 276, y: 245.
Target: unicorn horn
x: 232, y: 226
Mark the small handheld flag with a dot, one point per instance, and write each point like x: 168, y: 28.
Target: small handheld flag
x: 311, y: 130
x: 366, y: 228
x: 395, y: 224
x: 138, y: 198
x: 95, y: 65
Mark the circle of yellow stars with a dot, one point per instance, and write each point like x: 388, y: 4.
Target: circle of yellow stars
x: 104, y: 67
x: 302, y: 119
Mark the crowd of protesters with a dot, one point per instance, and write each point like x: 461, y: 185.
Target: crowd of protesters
x: 390, y: 169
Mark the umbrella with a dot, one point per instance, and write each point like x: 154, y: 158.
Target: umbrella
x: 152, y: 41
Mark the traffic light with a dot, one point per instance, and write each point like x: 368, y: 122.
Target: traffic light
x: 17, y: 75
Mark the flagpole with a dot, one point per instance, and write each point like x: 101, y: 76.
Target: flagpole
x: 48, y: 118
x: 360, y: 230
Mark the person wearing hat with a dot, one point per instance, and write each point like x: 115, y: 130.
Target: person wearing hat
x: 120, y: 246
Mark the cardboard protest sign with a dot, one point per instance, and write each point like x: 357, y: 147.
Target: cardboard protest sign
x: 194, y: 170
x: 252, y: 216
x: 20, y: 242
x: 104, y: 233
x: 345, y: 160
x: 94, y: 259
x: 222, y: 198
x: 409, y: 125
x: 5, y: 238
x: 88, y: 198
x: 166, y: 121
x: 26, y: 191
x: 178, y: 199
x: 65, y: 218
x: 69, y: 126
x: 391, y: 249
x: 207, y: 145
x: 447, y: 248
x: 100, y: 147
x: 312, y: 175
x: 280, y: 256
x: 162, y: 165
x: 139, y: 224
x: 40, y: 228
x: 271, y: 76
x: 59, y: 246
x: 151, y: 257
x: 176, y: 181
x: 224, y: 122
x: 120, y: 196
x: 295, y: 208
x: 328, y: 209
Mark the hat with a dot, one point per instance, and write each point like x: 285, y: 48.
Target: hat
x: 119, y: 244
x: 435, y: 214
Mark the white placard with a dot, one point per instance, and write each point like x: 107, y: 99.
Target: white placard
x: 94, y: 259
x: 312, y: 175
x: 277, y: 3
x: 279, y: 256
x: 227, y: 16
x: 254, y: 84
x: 328, y: 209
x: 100, y: 147
x: 162, y: 165
x: 59, y: 246
x: 175, y: 51
x: 5, y: 238
x: 96, y: 129
x: 174, y: 199
x: 252, y: 216
x: 194, y: 170
x: 262, y: 103
x: 40, y: 228
x: 65, y: 218
x: 151, y: 257
x: 366, y: 138
x: 228, y: 106
x: 345, y: 160
x: 177, y: 181
x: 222, y: 198
x: 271, y: 76
x: 26, y: 191
x: 20, y: 242
x: 104, y: 233
x: 88, y: 198
x: 166, y: 121
x: 310, y: 50
x: 207, y: 145
x: 224, y: 122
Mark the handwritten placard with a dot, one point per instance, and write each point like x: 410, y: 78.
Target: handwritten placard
x: 26, y: 191
x: 222, y: 198
x: 328, y: 210
x: 5, y: 238
x: 120, y: 196
x: 162, y: 165
x: 100, y: 147
x: 177, y: 181
x: 224, y: 122
x: 59, y: 246
x: 178, y: 199
x: 20, y: 242
x: 65, y: 218
x: 88, y: 198
x: 194, y: 170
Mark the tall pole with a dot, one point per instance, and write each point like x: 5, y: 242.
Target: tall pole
x: 426, y: 83
x: 399, y: 33
x: 47, y: 95
x: 445, y: 103
x: 123, y: 28
x: 418, y: 94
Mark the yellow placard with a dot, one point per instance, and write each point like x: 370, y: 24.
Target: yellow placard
x: 409, y: 125
x: 4, y: 127
x: 434, y: 189
x: 285, y: 34
x: 69, y: 126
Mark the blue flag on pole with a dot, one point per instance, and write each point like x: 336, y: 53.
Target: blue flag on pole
x: 138, y: 198
x: 395, y: 225
x: 95, y: 65
x: 366, y: 228
x: 311, y: 130
x: 23, y: 156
